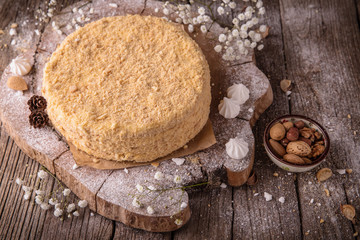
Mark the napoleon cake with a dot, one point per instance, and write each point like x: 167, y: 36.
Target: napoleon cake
x: 128, y: 88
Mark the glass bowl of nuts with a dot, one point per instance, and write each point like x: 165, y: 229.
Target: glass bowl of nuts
x: 296, y: 143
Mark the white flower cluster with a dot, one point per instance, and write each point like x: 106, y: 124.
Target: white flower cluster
x: 45, y: 204
x: 143, y: 190
x: 236, y: 40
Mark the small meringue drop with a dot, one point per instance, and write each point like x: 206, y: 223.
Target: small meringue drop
x: 228, y: 108
x: 239, y: 93
x: 20, y: 66
x: 237, y: 148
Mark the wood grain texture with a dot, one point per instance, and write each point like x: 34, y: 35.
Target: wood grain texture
x: 274, y: 63
x: 321, y: 60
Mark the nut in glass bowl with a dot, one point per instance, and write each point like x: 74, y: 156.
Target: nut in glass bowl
x: 296, y: 143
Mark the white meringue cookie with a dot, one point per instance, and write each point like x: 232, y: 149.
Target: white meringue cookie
x: 228, y: 108
x: 20, y: 66
x: 237, y: 148
x: 239, y: 93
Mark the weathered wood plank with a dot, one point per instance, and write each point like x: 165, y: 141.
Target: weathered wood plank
x: 212, y: 214
x: 124, y: 232
x: 320, y: 38
x: 254, y: 218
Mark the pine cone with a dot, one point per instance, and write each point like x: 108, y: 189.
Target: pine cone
x: 37, y: 103
x: 38, y: 119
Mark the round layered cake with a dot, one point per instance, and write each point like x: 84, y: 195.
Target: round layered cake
x: 128, y: 88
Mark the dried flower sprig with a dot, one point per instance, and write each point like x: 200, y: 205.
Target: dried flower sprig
x: 148, y: 190
x: 237, y: 39
x: 58, y: 198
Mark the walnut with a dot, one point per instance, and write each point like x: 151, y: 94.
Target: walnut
x: 317, y: 150
x: 306, y: 132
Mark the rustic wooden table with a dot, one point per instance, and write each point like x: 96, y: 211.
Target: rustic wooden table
x: 314, y: 43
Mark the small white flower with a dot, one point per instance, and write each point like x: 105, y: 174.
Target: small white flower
x: 71, y: 207
x: 76, y: 214
x: 255, y: 20
x: 178, y: 222
x: 253, y: 45
x: 226, y: 1
x: 190, y: 28
x: 259, y: 4
x: 218, y: 48
x: 159, y: 176
x: 247, y: 43
x: 39, y: 192
x: 139, y: 188
x: 150, y: 210
x: 27, y: 195
x: 166, y: 11
x: 235, y: 21
x: 221, y: 10
x: 249, y: 24
x: 232, y: 5
x: 66, y: 192
x: 152, y: 188
x: 39, y: 199
x: 19, y: 181
x: 45, y: 206
x: 82, y: 203
x: 91, y: 11
x: 222, y: 37
x: 235, y: 32
x: 248, y: 15
x: 58, y: 205
x: 267, y: 196
x: 243, y: 34
x: 262, y: 11
x: 156, y: 10
x: 74, y: 10
x: 207, y: 18
x: 282, y: 199
x: 58, y: 212
x: 183, y: 205
x: 263, y: 28
x: 177, y: 179
x: 53, y: 201
x: 241, y: 17
x: 257, y: 37
x: 201, y: 11
x: 42, y: 174
x: 244, y: 27
x: 203, y: 29
x: 136, y: 203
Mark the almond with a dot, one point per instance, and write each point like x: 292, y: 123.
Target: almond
x: 288, y: 125
x: 292, y: 158
x: 277, y: 131
x: 277, y: 147
x: 323, y: 174
x: 306, y: 160
x: 17, y: 83
x: 299, y: 148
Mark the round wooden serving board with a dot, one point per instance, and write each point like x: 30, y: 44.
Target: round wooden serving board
x: 107, y: 191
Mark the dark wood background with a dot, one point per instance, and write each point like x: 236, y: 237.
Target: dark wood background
x: 315, y: 43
